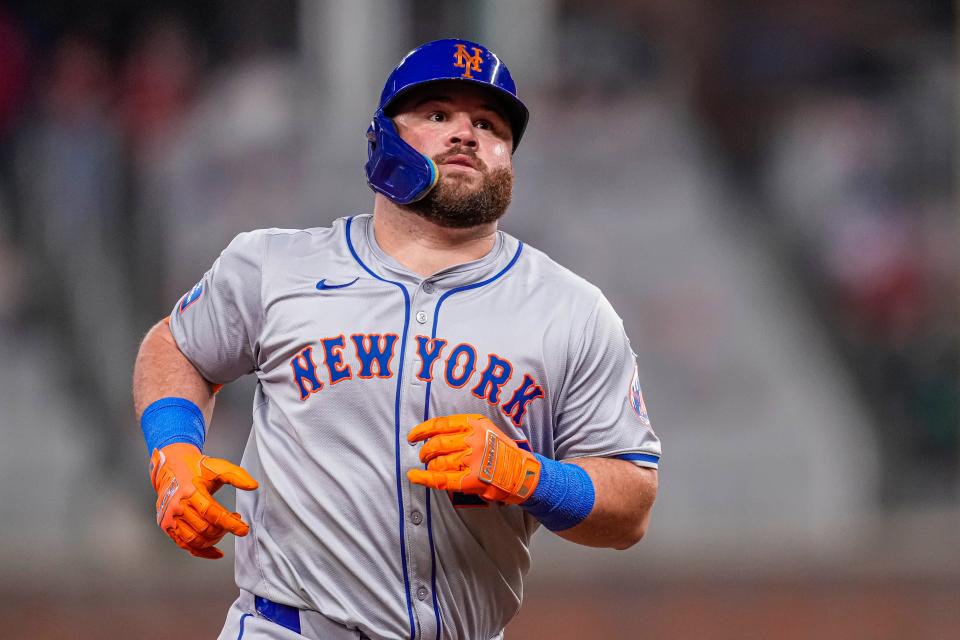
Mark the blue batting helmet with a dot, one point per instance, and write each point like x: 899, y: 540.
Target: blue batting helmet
x: 396, y: 169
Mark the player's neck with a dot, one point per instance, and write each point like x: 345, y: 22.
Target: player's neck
x: 424, y: 247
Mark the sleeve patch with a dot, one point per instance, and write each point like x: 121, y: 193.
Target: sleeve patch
x: 192, y: 296
x: 635, y: 395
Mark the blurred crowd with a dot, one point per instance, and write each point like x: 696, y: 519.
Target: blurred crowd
x: 841, y: 124
x: 122, y: 139
x: 134, y: 144
x: 837, y: 124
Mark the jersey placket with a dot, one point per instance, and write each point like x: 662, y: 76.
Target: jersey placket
x: 423, y: 301
x: 417, y: 499
x: 412, y: 585
x: 425, y: 306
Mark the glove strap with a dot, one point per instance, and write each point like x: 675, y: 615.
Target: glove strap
x: 507, y: 467
x: 564, y: 496
x: 170, y: 420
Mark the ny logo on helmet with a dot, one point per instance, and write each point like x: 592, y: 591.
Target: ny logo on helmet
x: 467, y: 62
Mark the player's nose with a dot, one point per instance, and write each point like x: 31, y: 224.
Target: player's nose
x: 462, y: 131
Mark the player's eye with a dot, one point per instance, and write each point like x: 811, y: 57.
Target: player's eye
x: 437, y: 116
x: 493, y: 125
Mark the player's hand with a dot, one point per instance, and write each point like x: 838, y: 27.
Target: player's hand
x: 469, y: 454
x: 185, y: 481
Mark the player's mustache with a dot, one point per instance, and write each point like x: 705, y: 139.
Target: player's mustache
x: 457, y: 151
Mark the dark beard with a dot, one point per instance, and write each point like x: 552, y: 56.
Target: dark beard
x: 452, y: 204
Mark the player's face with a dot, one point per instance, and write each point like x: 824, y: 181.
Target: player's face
x: 470, y: 139
x: 458, y: 125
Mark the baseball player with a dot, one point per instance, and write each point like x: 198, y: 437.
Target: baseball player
x: 430, y: 390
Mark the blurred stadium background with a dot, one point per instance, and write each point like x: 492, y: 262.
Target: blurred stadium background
x: 766, y: 192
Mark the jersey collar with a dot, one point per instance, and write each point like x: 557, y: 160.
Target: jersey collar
x: 365, y: 243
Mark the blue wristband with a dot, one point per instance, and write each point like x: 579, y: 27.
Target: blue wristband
x: 564, y: 495
x: 170, y: 420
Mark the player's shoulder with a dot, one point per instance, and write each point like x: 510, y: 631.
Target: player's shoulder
x: 544, y: 273
x: 274, y: 242
x: 583, y: 302
x: 285, y: 237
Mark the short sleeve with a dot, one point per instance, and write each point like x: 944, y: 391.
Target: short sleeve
x: 601, y: 412
x: 217, y: 323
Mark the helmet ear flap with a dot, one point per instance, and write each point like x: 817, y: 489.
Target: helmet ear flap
x: 394, y: 168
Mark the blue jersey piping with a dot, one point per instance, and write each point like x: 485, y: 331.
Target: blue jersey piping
x: 403, y: 347
x: 243, y: 619
x: 639, y: 457
x: 426, y: 416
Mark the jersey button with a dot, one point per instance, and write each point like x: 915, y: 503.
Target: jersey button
x: 416, y: 517
x: 422, y: 317
x: 428, y: 287
x: 422, y: 593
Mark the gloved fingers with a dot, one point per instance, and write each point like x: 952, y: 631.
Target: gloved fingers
x: 441, y: 480
x: 491, y: 493
x: 209, y: 552
x: 456, y: 423
x: 207, y: 530
x: 188, y: 538
x: 450, y: 462
x: 214, y: 513
x: 225, y: 472
x: 183, y: 533
x: 196, y: 543
x: 194, y: 521
x: 442, y: 445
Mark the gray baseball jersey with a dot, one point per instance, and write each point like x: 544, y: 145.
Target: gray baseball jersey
x: 351, y: 350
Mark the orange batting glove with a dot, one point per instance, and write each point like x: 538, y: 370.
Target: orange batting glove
x: 468, y: 453
x: 185, y: 480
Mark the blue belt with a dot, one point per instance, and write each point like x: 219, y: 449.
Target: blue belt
x: 281, y: 614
